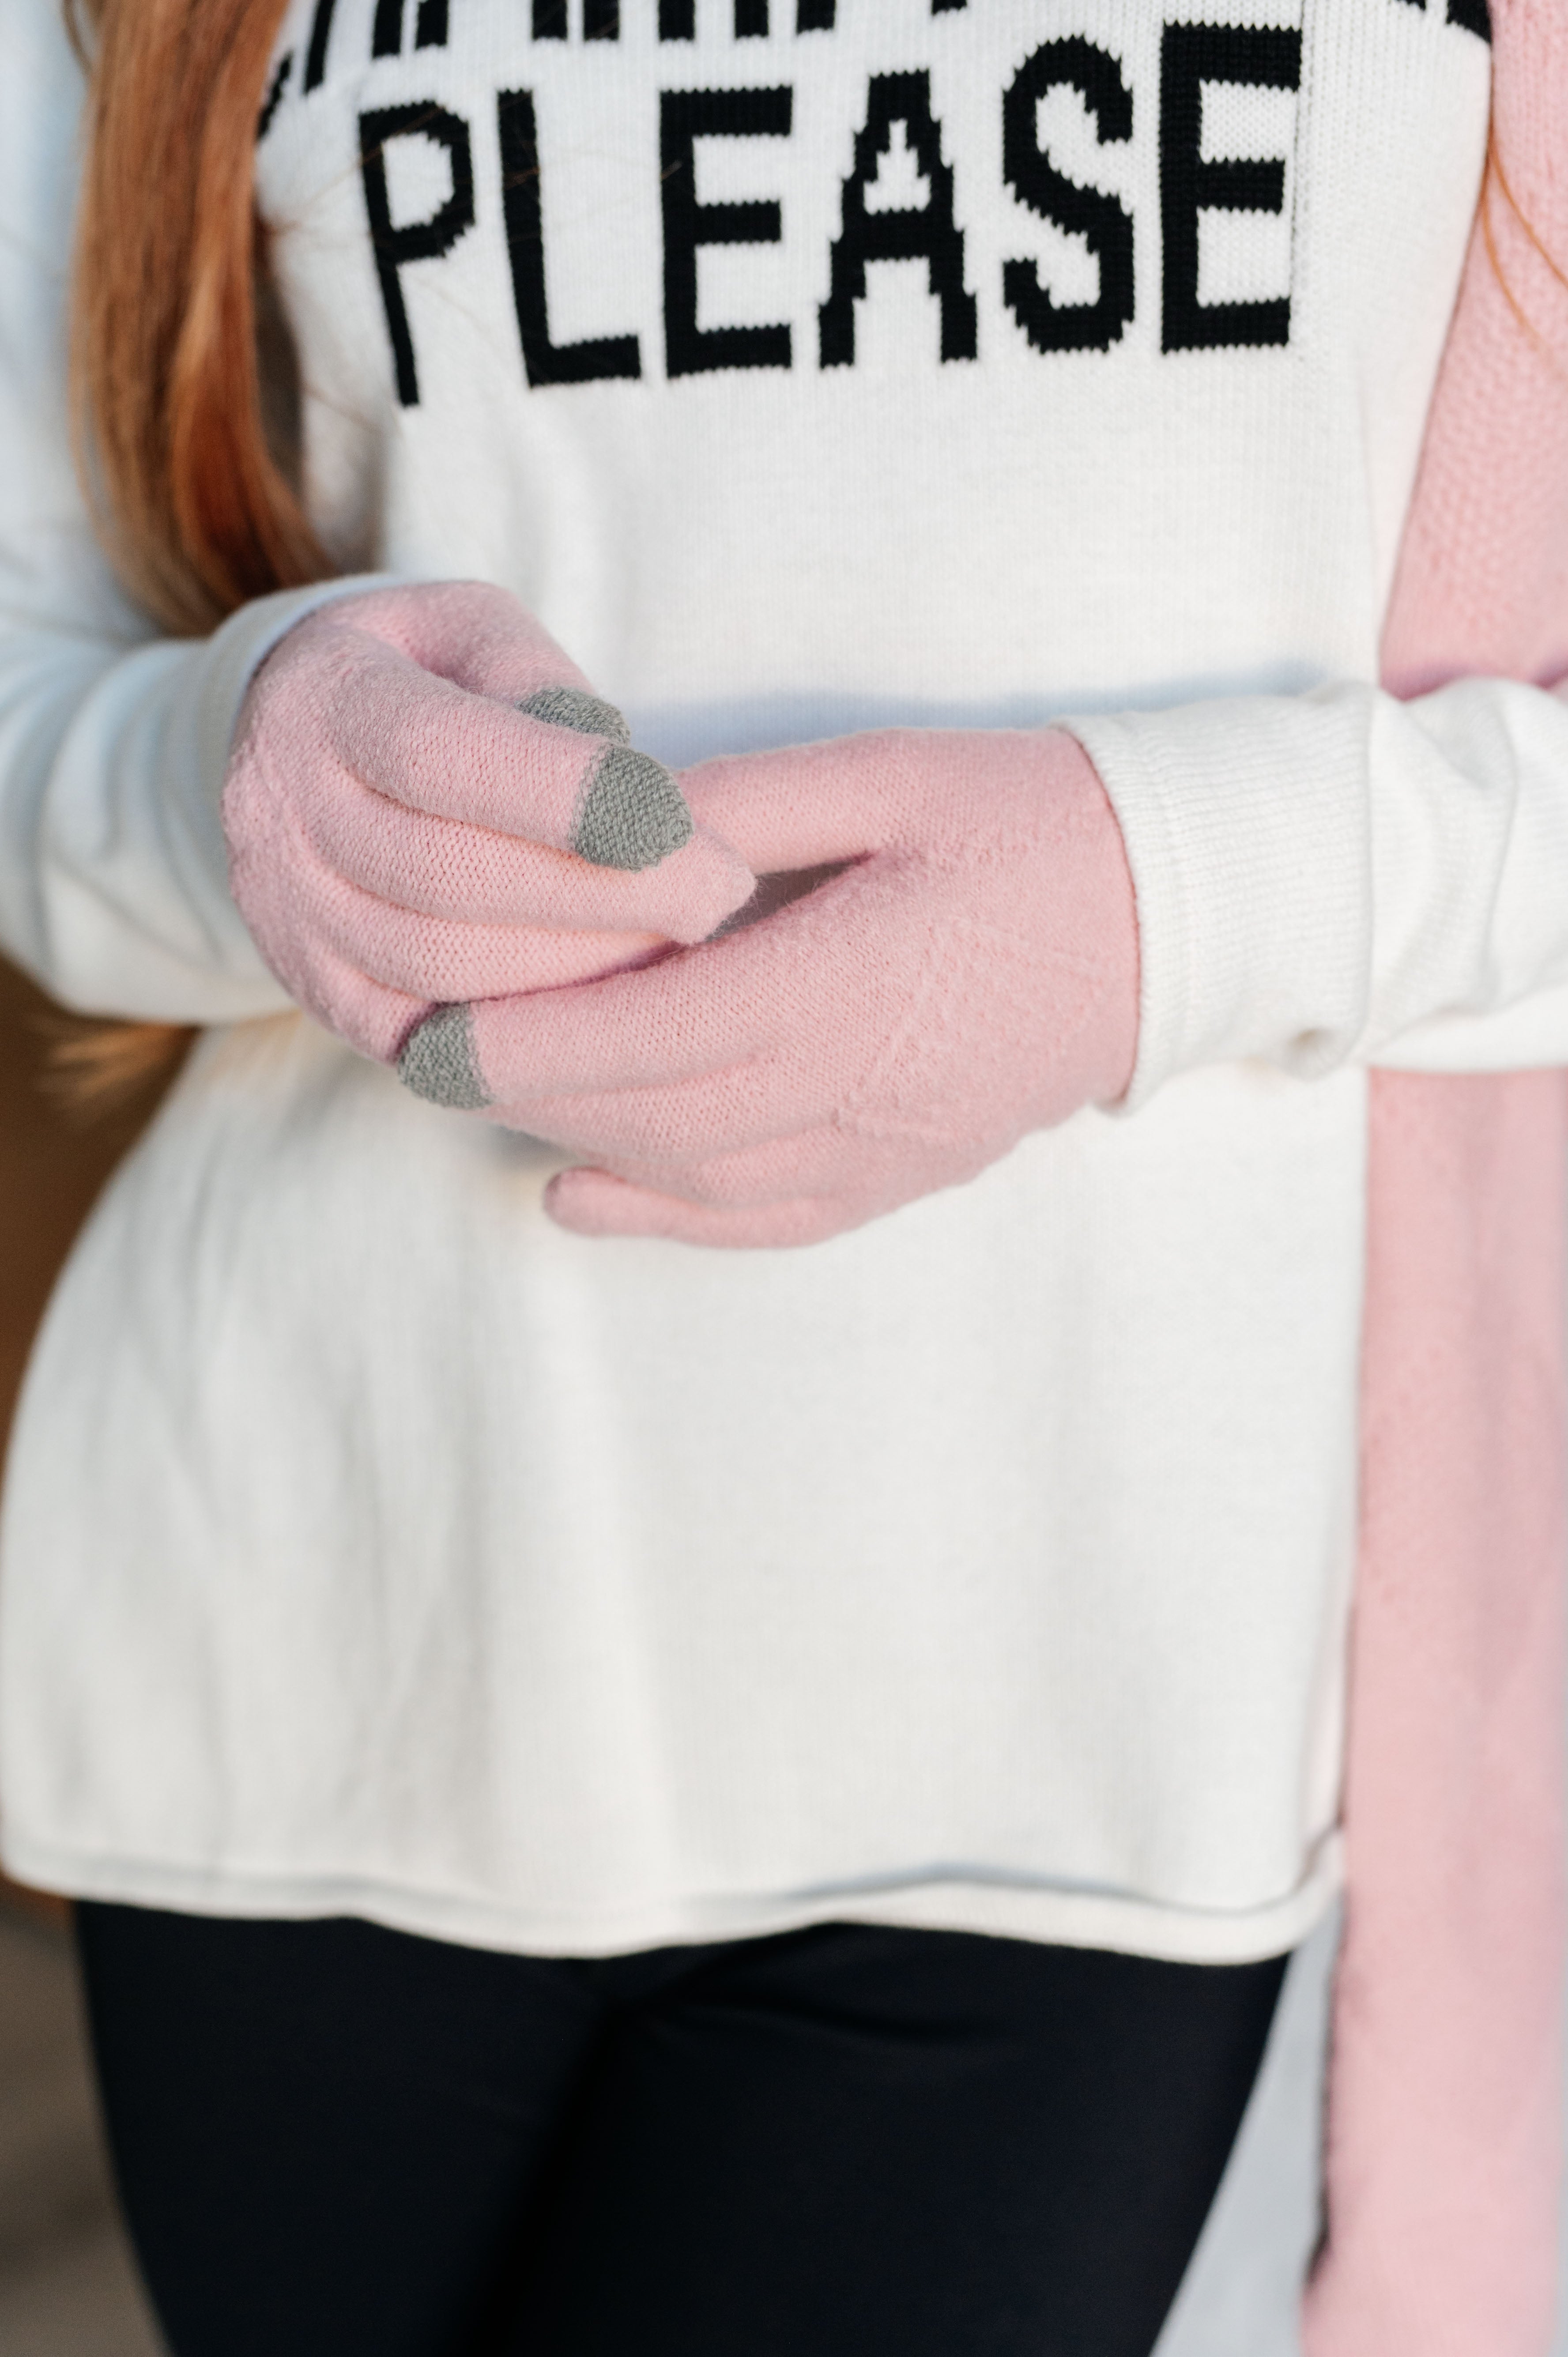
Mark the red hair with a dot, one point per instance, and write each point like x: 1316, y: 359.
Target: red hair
x: 196, y: 511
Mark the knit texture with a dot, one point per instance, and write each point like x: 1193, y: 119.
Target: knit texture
x: 969, y: 975
x: 424, y: 803
x: 370, y: 1539
x: 1443, y: 2123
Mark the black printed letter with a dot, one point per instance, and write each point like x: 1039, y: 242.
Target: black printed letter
x: 684, y: 117
x: 424, y: 240
x: 320, y: 34
x: 1472, y: 16
x: 546, y: 363
x: 1105, y: 224
x: 1475, y: 15
x: 429, y: 28
x: 273, y: 99
x: 911, y: 235
x: 1191, y: 55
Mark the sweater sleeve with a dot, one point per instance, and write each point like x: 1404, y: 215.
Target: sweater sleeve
x: 113, y: 887
x: 1340, y: 875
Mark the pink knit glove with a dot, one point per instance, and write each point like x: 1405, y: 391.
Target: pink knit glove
x: 425, y: 803
x: 970, y: 975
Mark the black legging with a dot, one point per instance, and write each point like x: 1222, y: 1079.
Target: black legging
x: 337, y: 2140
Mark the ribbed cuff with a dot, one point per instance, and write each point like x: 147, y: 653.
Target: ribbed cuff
x: 1246, y: 832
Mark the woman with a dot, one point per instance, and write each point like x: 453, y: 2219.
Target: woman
x: 677, y: 1580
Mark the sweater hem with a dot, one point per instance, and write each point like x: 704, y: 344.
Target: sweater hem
x: 1049, y: 1915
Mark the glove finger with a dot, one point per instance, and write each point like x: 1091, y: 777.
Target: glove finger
x: 744, y: 1109
x: 812, y: 1163
x: 593, y: 1203
x: 297, y: 908
x: 442, y: 962
x: 821, y: 806
x: 445, y: 867
x: 809, y: 806
x: 558, y: 768
x: 728, y: 1003
x: 592, y: 1040
x: 480, y: 637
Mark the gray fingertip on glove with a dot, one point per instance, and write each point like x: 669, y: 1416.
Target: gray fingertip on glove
x: 439, y: 1061
x: 632, y: 813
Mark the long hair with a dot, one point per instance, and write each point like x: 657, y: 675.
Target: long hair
x: 195, y: 508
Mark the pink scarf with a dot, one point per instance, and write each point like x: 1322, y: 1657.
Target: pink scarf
x: 1447, y: 2088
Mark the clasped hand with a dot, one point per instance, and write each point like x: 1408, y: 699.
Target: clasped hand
x: 496, y: 899
x: 968, y: 976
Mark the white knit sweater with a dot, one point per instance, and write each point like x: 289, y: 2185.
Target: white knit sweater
x: 369, y: 1544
